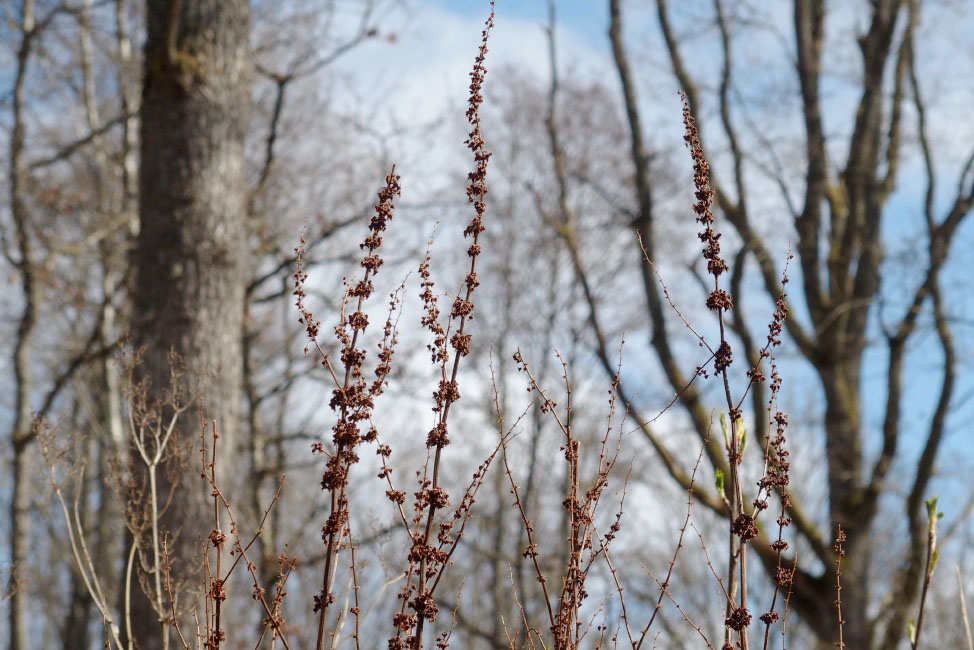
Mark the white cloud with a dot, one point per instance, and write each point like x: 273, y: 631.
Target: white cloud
x: 425, y: 71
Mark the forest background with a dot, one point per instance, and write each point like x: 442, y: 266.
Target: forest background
x: 164, y: 160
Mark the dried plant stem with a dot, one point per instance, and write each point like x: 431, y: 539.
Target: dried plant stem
x: 710, y: 564
x: 427, y: 562
x: 664, y: 590
x: 618, y: 585
x: 172, y: 598
x: 840, y: 553
x: 152, y: 458
x: 352, y: 399
x: 531, y: 552
x: 784, y: 616
x: 933, y: 553
x: 741, y: 525
x: 676, y: 553
x: 216, y: 592
x: 586, y: 544
x: 963, y: 610
x: 82, y: 558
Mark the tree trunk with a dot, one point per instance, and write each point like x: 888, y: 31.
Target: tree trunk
x: 22, y: 431
x: 19, y: 546
x: 189, y: 290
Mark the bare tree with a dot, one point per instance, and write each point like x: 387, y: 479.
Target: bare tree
x: 295, y: 45
x: 22, y: 427
x: 52, y: 346
x: 838, y: 225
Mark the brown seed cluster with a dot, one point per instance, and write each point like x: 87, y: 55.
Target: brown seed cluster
x: 745, y: 527
x: 723, y: 357
x: 703, y: 193
x: 429, y: 554
x: 718, y: 300
x: 769, y: 617
x: 307, y: 319
x: 354, y: 397
x: 739, y: 619
x: 783, y: 576
x: 776, y: 477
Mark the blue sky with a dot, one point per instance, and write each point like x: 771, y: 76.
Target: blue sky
x: 584, y: 16
x: 432, y: 57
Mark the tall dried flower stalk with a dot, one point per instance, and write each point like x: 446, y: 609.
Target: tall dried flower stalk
x: 776, y: 465
x: 353, y: 399
x: 431, y: 544
x: 743, y: 526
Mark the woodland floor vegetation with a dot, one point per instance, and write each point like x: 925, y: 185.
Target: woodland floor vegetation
x: 404, y: 541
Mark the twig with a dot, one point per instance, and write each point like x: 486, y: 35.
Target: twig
x: 680, y: 609
x: 933, y: 516
x: 676, y: 552
x: 963, y: 610
x: 840, y: 553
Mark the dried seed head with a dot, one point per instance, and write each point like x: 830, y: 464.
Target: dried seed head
x: 739, y: 619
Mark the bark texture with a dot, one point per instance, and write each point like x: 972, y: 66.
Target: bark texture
x: 189, y: 293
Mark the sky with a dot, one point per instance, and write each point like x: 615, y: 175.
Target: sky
x: 424, y: 74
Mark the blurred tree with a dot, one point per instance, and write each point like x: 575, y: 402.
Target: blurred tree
x: 67, y: 273
x: 192, y: 207
x: 69, y: 231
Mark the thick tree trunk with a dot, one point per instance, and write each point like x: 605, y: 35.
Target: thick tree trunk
x: 19, y: 545
x: 189, y: 291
